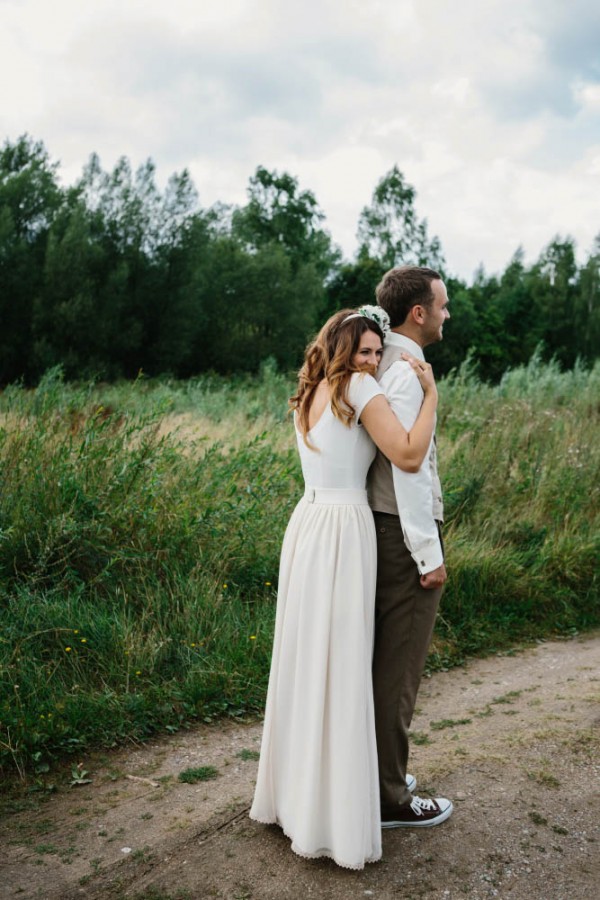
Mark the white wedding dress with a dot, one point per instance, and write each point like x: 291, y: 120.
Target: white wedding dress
x: 317, y: 775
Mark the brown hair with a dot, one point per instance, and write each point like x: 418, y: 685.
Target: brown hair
x: 404, y: 287
x: 330, y: 356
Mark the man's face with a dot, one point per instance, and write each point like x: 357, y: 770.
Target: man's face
x: 436, y: 314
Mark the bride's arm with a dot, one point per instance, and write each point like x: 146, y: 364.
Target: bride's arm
x: 405, y: 449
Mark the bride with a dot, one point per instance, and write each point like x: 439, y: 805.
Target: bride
x: 317, y: 775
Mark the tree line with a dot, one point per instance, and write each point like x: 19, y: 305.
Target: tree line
x: 111, y: 276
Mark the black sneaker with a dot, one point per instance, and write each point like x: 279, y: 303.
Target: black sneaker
x: 421, y: 813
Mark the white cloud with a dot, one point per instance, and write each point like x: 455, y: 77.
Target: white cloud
x: 587, y: 96
x: 490, y: 110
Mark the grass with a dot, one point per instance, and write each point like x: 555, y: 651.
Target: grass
x: 248, y: 754
x: 141, y: 524
x: 448, y: 723
x: 200, y: 773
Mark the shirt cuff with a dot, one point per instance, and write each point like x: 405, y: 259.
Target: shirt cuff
x: 429, y: 557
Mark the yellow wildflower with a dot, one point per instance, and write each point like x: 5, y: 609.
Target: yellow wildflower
x: 67, y: 649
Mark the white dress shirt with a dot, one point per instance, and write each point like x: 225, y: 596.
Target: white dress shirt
x: 413, y: 490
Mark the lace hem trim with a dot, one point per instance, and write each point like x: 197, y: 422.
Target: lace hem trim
x: 317, y: 854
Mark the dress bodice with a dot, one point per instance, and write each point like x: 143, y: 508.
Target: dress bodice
x: 343, y: 453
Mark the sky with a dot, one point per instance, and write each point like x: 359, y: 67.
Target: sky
x: 490, y: 108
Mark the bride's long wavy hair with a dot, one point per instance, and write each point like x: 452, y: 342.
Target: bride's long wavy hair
x: 330, y: 357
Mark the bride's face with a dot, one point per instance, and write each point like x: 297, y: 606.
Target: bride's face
x: 368, y: 355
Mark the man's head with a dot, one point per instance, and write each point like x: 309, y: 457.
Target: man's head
x: 415, y: 299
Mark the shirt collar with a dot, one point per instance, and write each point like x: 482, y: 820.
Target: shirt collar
x: 406, y: 343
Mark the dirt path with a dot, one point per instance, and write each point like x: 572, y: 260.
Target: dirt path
x: 513, y: 739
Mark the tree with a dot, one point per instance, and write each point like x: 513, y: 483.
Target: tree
x: 279, y: 214
x: 521, y: 323
x: 588, y: 305
x: 390, y: 231
x: 148, y: 242
x: 29, y: 200
x: 68, y: 326
x: 554, y: 290
x: 354, y: 284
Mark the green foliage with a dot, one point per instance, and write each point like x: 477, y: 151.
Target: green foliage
x: 200, y: 773
x: 136, y: 571
x: 138, y: 565
x: 29, y: 199
x: 354, y: 284
x: 390, y: 231
x: 520, y: 472
x: 279, y: 214
x: 114, y: 276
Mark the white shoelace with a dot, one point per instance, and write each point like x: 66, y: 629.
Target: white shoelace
x: 419, y: 804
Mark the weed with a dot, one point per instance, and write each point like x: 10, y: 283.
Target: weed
x: 43, y: 849
x: 544, y: 777
x: 79, y: 775
x: 248, y: 754
x: 143, y: 854
x: 509, y: 697
x: 537, y: 819
x: 154, y: 893
x: 202, y: 773
x: 420, y: 738
x: 448, y: 723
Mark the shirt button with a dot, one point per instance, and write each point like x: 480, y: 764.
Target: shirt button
x: 422, y: 562
x: 382, y: 531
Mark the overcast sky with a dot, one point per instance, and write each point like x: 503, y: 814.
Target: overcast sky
x: 490, y: 108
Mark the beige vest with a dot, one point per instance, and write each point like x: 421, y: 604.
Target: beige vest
x: 380, y: 483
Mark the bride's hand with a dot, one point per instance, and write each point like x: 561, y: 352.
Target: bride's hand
x: 423, y: 371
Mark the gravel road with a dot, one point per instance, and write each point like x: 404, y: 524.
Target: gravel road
x: 513, y: 739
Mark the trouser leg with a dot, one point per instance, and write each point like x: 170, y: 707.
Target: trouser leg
x: 404, y: 619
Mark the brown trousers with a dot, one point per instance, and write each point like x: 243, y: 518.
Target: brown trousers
x: 404, y: 619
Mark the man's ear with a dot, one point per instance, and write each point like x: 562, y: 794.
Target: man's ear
x: 417, y: 314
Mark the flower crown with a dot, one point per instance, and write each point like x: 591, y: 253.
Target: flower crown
x: 376, y: 313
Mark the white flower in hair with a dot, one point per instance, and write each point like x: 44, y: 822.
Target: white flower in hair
x: 378, y: 315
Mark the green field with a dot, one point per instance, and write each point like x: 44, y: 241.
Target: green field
x: 140, y: 528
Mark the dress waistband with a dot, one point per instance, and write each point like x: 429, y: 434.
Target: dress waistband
x: 337, y: 496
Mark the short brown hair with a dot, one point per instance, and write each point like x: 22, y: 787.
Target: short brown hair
x: 404, y: 287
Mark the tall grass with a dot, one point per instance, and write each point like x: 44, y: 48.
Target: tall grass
x: 140, y: 528
x: 520, y: 467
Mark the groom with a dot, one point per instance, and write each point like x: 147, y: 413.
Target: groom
x: 408, y: 512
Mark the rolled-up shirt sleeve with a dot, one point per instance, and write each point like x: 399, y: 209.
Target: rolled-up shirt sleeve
x: 413, y: 490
